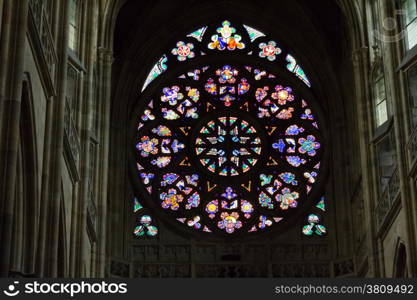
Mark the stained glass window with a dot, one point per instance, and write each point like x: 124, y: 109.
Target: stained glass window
x: 314, y: 226
x: 269, y: 50
x: 198, y: 34
x: 380, y: 97
x: 410, y: 22
x: 253, y: 33
x: 73, y: 30
x: 294, y: 67
x: 226, y: 37
x: 157, y: 70
x: 228, y: 147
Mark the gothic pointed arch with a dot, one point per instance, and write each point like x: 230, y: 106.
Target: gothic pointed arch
x: 400, y: 261
x: 27, y: 189
x: 62, y: 269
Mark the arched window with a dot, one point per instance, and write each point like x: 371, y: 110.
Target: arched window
x: 227, y: 135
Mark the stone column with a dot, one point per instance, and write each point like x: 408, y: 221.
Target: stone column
x: 105, y: 61
x: 361, y: 66
x: 1, y: 14
x: 51, y: 185
x: 12, y: 50
x: 16, y: 264
x: 392, y: 58
x: 86, y: 127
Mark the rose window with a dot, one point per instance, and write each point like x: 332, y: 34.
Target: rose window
x: 228, y: 148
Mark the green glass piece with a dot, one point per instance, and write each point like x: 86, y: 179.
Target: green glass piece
x: 198, y: 34
x: 136, y: 206
x: 152, y: 230
x: 139, y: 231
x: 321, y: 230
x: 308, y: 230
x: 322, y: 204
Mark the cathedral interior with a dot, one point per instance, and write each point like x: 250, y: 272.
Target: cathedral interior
x: 211, y: 138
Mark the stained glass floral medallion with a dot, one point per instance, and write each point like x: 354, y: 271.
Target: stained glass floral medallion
x: 228, y: 149
x: 226, y: 37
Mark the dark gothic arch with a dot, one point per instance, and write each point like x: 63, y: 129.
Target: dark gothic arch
x: 70, y: 174
x: 135, y: 58
x: 27, y: 202
x: 400, y: 261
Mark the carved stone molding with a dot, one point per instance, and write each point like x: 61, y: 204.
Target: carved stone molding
x: 119, y: 269
x: 161, y: 270
x: 239, y: 252
x: 344, y: 268
x: 205, y: 253
x: 219, y: 260
x: 231, y: 270
x: 301, y: 270
x: 155, y: 253
x: 360, y: 55
x: 105, y: 55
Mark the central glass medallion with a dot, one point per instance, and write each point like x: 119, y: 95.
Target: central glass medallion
x: 228, y: 146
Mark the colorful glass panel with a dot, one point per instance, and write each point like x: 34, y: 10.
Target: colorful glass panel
x: 183, y: 51
x: 157, y: 70
x: 297, y: 70
x: 226, y: 38
x: 145, y: 226
x: 253, y: 33
x: 228, y: 150
x: 269, y: 50
x: 198, y: 34
x: 314, y: 227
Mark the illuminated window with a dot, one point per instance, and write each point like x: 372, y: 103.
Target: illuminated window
x: 386, y: 158
x: 73, y: 25
x: 144, y: 227
x: 412, y: 86
x: 314, y: 226
x: 228, y: 148
x: 231, y: 38
x: 72, y: 88
x: 410, y: 20
x: 380, y: 99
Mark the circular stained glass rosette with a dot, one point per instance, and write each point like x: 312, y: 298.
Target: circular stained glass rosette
x: 228, y: 146
x: 228, y: 150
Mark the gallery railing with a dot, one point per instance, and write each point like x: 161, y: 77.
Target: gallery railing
x: 40, y: 17
x: 387, y: 198
x: 71, y: 141
x: 412, y: 147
